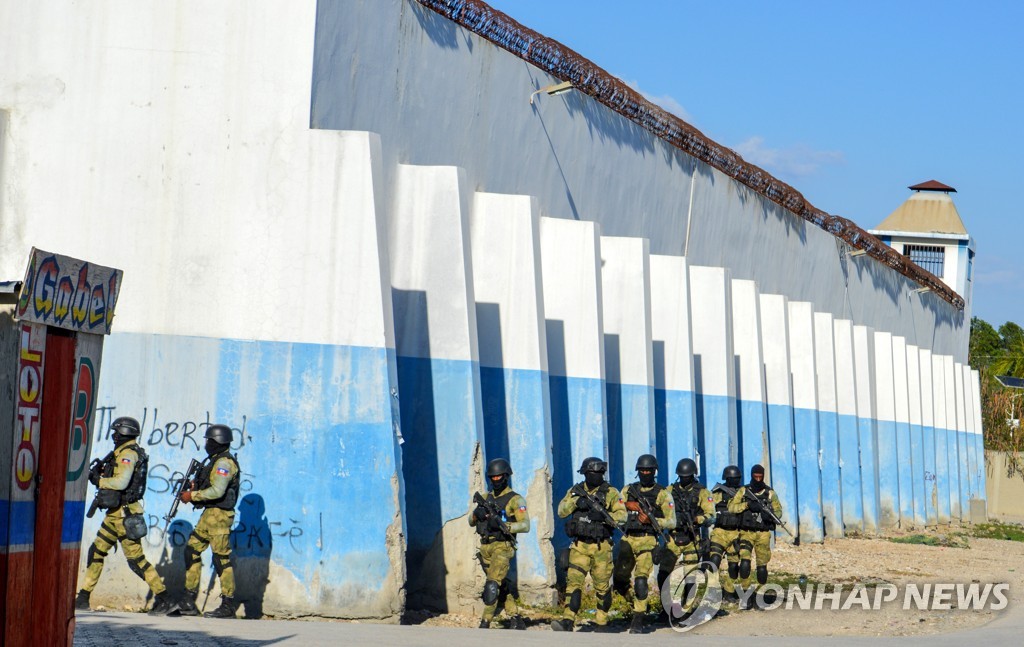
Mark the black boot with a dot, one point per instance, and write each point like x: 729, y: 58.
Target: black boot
x: 162, y: 605
x: 564, y: 624
x: 227, y: 609
x: 484, y: 624
x: 517, y: 622
x: 637, y: 626
x: 187, y: 605
x: 82, y: 601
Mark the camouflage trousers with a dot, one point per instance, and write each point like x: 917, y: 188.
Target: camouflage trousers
x: 726, y: 543
x: 636, y: 561
x: 111, y: 532
x: 213, y: 530
x: 757, y: 543
x: 595, y: 559
x: 496, y: 558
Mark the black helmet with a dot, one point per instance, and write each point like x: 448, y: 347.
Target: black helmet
x: 125, y: 426
x: 686, y: 467
x: 593, y: 464
x: 497, y: 467
x: 731, y: 472
x: 219, y: 434
x: 646, y: 462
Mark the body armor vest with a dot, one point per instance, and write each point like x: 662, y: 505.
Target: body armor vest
x: 751, y: 520
x: 725, y: 520
x: 230, y: 498
x: 687, y: 500
x: 633, y: 524
x: 501, y: 502
x: 588, y: 525
x: 137, y: 485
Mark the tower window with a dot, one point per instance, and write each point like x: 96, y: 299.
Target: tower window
x: 931, y: 258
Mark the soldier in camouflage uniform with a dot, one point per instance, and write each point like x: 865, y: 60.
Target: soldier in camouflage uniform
x: 695, y: 507
x: 641, y: 535
x: 121, y: 479
x: 755, y: 526
x: 498, y: 517
x: 725, y: 537
x: 216, y: 491
x: 594, y: 509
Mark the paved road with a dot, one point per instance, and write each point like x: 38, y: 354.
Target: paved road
x: 139, y: 630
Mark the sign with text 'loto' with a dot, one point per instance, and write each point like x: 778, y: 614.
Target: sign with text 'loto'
x: 68, y: 293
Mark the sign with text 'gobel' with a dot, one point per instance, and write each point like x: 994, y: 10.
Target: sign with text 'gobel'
x: 68, y: 293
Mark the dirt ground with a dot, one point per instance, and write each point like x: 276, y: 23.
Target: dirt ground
x: 959, y: 558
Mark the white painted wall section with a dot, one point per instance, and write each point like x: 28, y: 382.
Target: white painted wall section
x: 851, y: 493
x: 885, y: 414
x: 805, y: 419
x: 779, y: 395
x: 828, y: 423
x: 942, y: 501
x: 916, y: 434
x: 752, y: 421
x: 867, y: 424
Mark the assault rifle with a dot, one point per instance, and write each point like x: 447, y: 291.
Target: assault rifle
x: 99, y: 467
x: 755, y: 503
x: 495, y: 513
x: 661, y: 554
x: 695, y: 531
x: 595, y: 505
x: 179, y: 486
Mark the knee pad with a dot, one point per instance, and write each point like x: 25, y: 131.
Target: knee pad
x: 138, y: 566
x: 221, y: 562
x: 716, y: 559
x: 734, y: 570
x: 575, y: 600
x: 640, y: 588
x: 605, y: 602
x: 95, y: 555
x: 745, y: 544
x: 744, y: 568
x: 491, y: 591
x: 192, y: 557
x: 762, y: 573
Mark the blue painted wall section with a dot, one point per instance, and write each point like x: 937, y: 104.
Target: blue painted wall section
x: 905, y: 466
x: 713, y: 434
x: 516, y: 414
x: 963, y: 464
x: 752, y: 430
x: 867, y: 431
x: 630, y: 434
x: 955, y: 484
x: 930, y: 483
x: 808, y: 474
x: 941, y: 473
x: 673, y: 430
x: 979, y: 440
x: 888, y: 474
x: 831, y: 485
x: 917, y: 456
x: 850, y: 473
x: 783, y: 477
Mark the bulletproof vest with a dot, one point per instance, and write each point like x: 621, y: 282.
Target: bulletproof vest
x: 137, y: 485
x: 687, y: 501
x: 651, y: 496
x: 588, y: 525
x: 724, y: 519
x: 501, y: 502
x: 230, y: 498
x: 751, y: 520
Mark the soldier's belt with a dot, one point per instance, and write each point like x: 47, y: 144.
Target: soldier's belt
x: 494, y: 540
x: 640, y: 533
x: 592, y: 540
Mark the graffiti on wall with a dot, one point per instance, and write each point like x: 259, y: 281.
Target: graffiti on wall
x: 81, y: 413
x: 68, y: 293
x: 30, y: 397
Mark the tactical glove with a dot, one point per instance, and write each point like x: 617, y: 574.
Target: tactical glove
x: 480, y: 512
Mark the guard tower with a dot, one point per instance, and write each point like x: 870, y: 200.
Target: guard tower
x: 927, y: 228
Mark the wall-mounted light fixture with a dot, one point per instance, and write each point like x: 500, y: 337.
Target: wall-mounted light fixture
x: 553, y: 90
x: 857, y: 252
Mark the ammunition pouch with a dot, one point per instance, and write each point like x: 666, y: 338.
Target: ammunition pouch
x: 135, y: 526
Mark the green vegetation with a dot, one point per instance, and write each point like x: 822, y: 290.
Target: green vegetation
x: 950, y: 540
x: 996, y: 530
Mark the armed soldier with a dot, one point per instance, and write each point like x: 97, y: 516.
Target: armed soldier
x: 694, y: 508
x: 756, y: 525
x: 725, y: 536
x: 650, y: 511
x: 498, y: 517
x: 216, y: 492
x: 121, y: 479
x: 595, y: 510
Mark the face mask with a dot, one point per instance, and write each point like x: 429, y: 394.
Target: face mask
x: 646, y: 480
x: 756, y: 485
x: 120, y: 440
x: 497, y: 485
x: 594, y: 479
x: 212, y: 446
x: 733, y: 481
x: 686, y: 480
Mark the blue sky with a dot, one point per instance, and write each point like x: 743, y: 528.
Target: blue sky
x: 850, y: 102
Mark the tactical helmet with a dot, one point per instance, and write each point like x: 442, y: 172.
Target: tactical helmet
x: 756, y: 469
x: 593, y: 464
x: 497, y: 467
x: 125, y: 426
x: 731, y: 472
x: 219, y: 434
x: 646, y: 462
x: 686, y: 467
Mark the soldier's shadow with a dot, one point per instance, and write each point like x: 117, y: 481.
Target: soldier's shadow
x: 171, y: 565
x: 251, y: 546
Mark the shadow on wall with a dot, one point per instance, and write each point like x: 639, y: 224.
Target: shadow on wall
x: 661, y: 414
x: 251, y: 545
x: 613, y: 389
x: 562, y: 467
x: 492, y: 382
x: 420, y: 467
x: 171, y: 565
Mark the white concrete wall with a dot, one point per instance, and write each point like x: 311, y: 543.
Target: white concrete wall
x: 779, y: 397
x: 805, y: 420
x: 828, y: 423
x: 942, y: 447
x: 848, y: 436
x: 957, y: 493
x: 885, y: 414
x: 752, y: 421
x: 916, y: 434
x: 867, y: 424
x: 929, y: 450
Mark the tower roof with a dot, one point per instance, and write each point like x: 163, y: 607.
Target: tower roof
x: 930, y: 210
